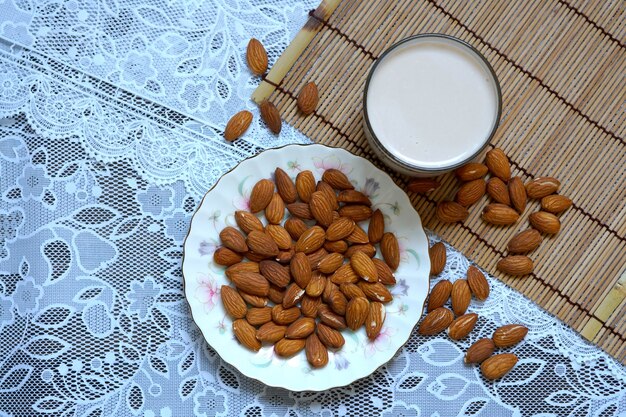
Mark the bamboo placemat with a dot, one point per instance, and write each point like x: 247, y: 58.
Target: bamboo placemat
x: 561, y: 65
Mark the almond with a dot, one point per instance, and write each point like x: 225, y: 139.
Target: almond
x: 357, y: 311
x: 462, y: 326
x: 300, y: 268
x: 356, y: 212
x: 241, y: 267
x: 331, y: 319
x: 271, y: 116
x: 339, y: 246
x: 301, y: 210
x: 308, y: 98
x: 471, y: 192
x: 233, y: 303
x: 275, y: 210
x: 280, y: 235
x: 499, y: 214
x: 271, y: 332
x: 300, y: 328
x: 439, y: 295
x: 276, y: 294
x: 498, y: 164
x: 305, y: 185
x: 237, y: 125
x: 471, y: 171
x: 295, y: 227
x: 358, y: 236
x: 253, y: 300
x: 340, y: 229
x: 376, y: 228
x: 385, y: 275
x: 286, y: 187
x: 246, y: 334
x: 262, y: 244
x: 316, y: 352
x: 375, y: 319
x: 375, y: 291
x: 330, y: 263
x: 498, y: 191
x: 284, y: 316
x: 353, y: 197
x: 337, y: 179
x: 479, y: 351
x: 259, y: 316
x: 364, y: 267
x: 541, y: 187
x: 338, y: 302
x: 509, y: 335
x: 477, y: 283
x: 545, y: 222
x: 255, y: 257
x: 525, y: 241
x: 248, y: 221
x: 517, y: 194
x: 499, y: 365
x: 390, y: 250
x: 289, y: 347
x: 460, y: 296
x: 293, y: 294
x: 233, y: 239
x: 321, y: 208
x: 450, y: 212
x: 436, y: 321
x: 275, y: 273
x: 316, y: 285
x: 251, y: 283
x: 422, y: 185
x: 516, y: 265
x: 330, y: 337
x: 226, y: 257
x: 329, y: 289
x: 437, y: 255
x: 555, y: 203
x: 311, y: 240
x: 367, y: 249
x: 284, y: 256
x: 256, y: 57
x: 261, y: 195
x: 329, y: 192
x: 351, y: 291
x: 316, y: 257
x: 309, y: 306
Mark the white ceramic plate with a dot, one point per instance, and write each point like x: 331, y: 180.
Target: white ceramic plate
x: 203, y: 278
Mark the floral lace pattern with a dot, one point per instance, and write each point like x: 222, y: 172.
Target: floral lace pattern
x: 110, y: 118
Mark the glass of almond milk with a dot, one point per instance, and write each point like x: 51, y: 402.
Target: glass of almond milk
x: 432, y: 102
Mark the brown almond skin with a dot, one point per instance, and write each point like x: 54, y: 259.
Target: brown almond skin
x: 545, y: 222
x: 286, y: 187
x: 253, y: 300
x: 462, y: 326
x: 385, y: 275
x: 499, y: 214
x: 309, y: 306
x: 226, y: 257
x: 516, y: 265
x: 338, y: 302
x: 344, y: 274
x: 340, y: 229
x: 353, y: 197
x: 316, y: 352
x: 284, y: 256
x: 256, y: 57
x: 275, y: 273
x: 316, y: 257
x: 367, y: 249
x: 246, y: 334
x: 330, y: 337
x: 280, y: 235
x: 509, y: 335
x: 525, y: 241
x: 339, y: 246
x: 262, y: 244
x: 437, y: 255
x: 261, y: 195
x: 356, y: 212
x: 251, y: 283
x: 358, y: 236
x: 305, y: 185
x: 451, y: 212
x: 233, y: 303
x: 351, y: 291
x: 555, y: 204
x: 376, y: 228
x: 461, y: 296
x: 517, y: 194
x: 316, y: 285
x: 364, y: 267
x: 375, y: 320
x: 276, y: 294
x: 259, y: 316
x: 471, y: 171
x: 300, y: 268
x: 271, y: 116
x: 308, y: 98
x: 237, y: 125
x: 390, y: 250
x: 301, y: 210
x: 337, y: 179
x: 270, y: 332
x: 498, y: 191
x: 233, y: 239
x: 248, y: 221
x: 330, y: 263
x: 295, y: 227
x: 330, y: 193
x: 479, y: 351
x: 289, y: 347
x: 498, y: 164
x: 331, y: 319
x: 275, y: 210
x: 477, y: 283
x: 285, y: 316
x: 357, y: 312
x: 293, y: 294
x: 321, y: 208
x: 470, y: 192
x: 375, y: 291
x: 439, y: 295
x: 436, y: 321
x: 241, y: 267
x: 542, y: 186
x: 311, y: 240
x: 300, y: 328
x: 422, y: 185
x: 499, y: 365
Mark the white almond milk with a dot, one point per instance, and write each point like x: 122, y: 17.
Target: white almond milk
x: 432, y: 103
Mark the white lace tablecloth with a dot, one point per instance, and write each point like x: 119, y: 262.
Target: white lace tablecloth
x: 111, y: 115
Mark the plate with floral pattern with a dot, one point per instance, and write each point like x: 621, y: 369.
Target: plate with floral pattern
x: 359, y: 356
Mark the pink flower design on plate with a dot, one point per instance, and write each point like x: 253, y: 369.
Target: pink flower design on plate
x: 331, y: 162
x: 207, y: 292
x: 242, y: 202
x: 381, y: 343
x: 208, y: 247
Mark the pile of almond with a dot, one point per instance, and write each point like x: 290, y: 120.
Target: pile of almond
x: 440, y: 318
x: 256, y: 56
x: 297, y: 284
x: 509, y: 196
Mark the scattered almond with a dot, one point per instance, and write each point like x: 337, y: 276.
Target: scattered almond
x: 308, y: 98
x: 462, y: 326
x: 451, y: 212
x: 525, y: 241
x: 251, y: 283
x: 275, y: 273
x: 545, y: 222
x: 357, y: 311
x: 358, y: 236
x: 237, y: 125
x: 499, y: 214
x: 293, y: 294
x: 439, y: 295
x: 248, y: 221
x: 330, y: 337
x: 226, y: 257
x: 385, y: 274
x: 311, y: 240
x: 366, y: 248
x: 364, y: 267
x: 286, y: 187
x: 337, y: 179
x: 316, y: 285
x: 390, y: 250
x: 477, y: 283
x: 470, y: 192
x: 437, y: 255
x: 289, y: 347
x: 375, y: 291
x: 256, y: 57
x: 321, y: 208
x: 233, y: 239
x: 300, y: 328
x: 261, y: 195
x: 375, y: 319
x: 246, y: 334
x: 233, y: 303
x: 339, y: 246
x: 517, y: 194
x: 301, y: 210
x: 305, y: 185
x: 541, y: 187
x: 295, y: 227
x: 300, y: 268
x: 316, y: 352
x: 376, y: 227
x: 471, y: 171
x: 259, y: 316
x: 516, y: 265
x: 280, y: 236
x: 271, y: 116
x: 498, y: 164
x: 498, y: 191
x: 262, y: 244
x: 479, y: 351
x: 499, y: 365
x: 356, y: 212
x: 422, y: 185
x: 461, y: 296
x: 270, y: 332
x: 555, y: 203
x: 436, y: 321
x: 284, y: 316
x: 509, y: 335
